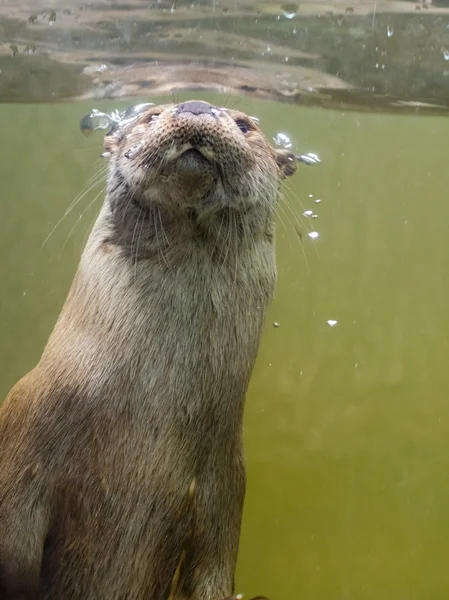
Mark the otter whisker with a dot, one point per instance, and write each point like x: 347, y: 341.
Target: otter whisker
x: 164, y: 235
x: 226, y: 244
x: 138, y: 221
x: 299, y: 221
x: 91, y: 203
x: 237, y: 250
x: 284, y: 205
x: 225, y: 103
x: 217, y: 237
x: 298, y: 240
x: 237, y: 102
x: 159, y: 248
x: 95, y: 180
x: 287, y: 188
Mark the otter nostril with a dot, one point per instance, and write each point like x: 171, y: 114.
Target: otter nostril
x: 196, y: 107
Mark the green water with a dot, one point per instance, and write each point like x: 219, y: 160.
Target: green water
x: 347, y: 427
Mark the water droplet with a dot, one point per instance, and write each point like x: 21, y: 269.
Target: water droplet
x: 310, y: 196
x: 294, y: 31
x: 283, y: 141
x: 99, y: 120
x: 315, y: 216
x: 308, y: 213
x: 286, y: 59
x: 106, y: 155
x: 313, y: 235
x: 135, y: 110
x: 133, y: 150
x: 317, y: 200
x: 276, y: 324
x: 390, y: 31
x: 268, y: 48
x: 331, y: 322
x: 289, y: 10
x: 95, y: 120
x: 446, y: 55
x: 309, y: 159
x: 95, y: 68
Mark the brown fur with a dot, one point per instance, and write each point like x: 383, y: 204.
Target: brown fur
x: 121, y: 470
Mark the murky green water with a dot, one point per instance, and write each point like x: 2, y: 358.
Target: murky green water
x: 346, y: 426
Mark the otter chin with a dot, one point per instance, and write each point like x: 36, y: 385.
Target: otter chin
x: 121, y: 460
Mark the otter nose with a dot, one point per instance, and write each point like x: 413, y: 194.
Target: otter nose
x: 196, y: 107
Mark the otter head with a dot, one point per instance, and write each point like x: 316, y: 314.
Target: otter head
x: 193, y: 170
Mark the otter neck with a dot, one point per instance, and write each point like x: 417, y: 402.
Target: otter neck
x: 179, y: 337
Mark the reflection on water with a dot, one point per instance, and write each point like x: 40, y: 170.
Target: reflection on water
x: 347, y: 416
x: 388, y: 54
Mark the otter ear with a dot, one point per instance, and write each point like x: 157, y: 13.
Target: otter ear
x: 286, y: 161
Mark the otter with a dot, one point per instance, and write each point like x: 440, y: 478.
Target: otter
x: 121, y: 462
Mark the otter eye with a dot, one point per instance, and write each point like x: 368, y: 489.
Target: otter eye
x: 243, y: 125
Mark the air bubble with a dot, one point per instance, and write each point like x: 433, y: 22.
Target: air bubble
x: 99, y: 120
x: 95, y: 120
x: 446, y: 55
x: 331, y: 322
x: 133, y: 150
x: 289, y: 10
x: 309, y: 159
x: 313, y: 235
x: 135, y: 110
x: 283, y: 141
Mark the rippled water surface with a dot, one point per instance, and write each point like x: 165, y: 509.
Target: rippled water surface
x: 347, y: 417
x: 385, y: 54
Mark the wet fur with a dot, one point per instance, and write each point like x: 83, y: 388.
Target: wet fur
x: 121, y: 469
